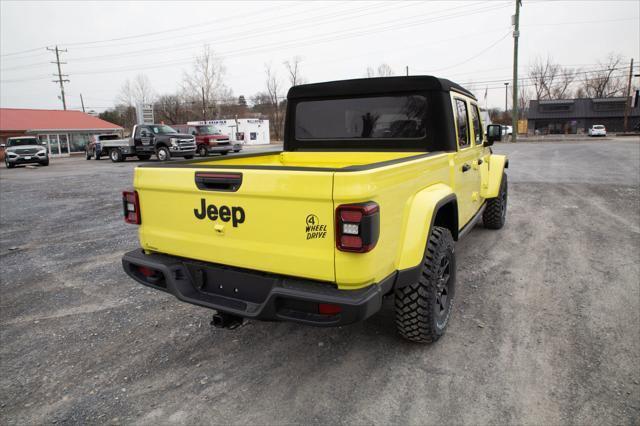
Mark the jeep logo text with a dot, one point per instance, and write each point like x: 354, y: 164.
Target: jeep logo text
x: 224, y: 213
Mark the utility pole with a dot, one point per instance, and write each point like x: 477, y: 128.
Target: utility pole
x: 514, y: 87
x: 60, y: 75
x: 82, y: 102
x: 407, y: 70
x: 204, y: 107
x: 627, y: 104
x: 506, y: 90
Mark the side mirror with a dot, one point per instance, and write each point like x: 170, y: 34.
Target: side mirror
x: 494, y: 134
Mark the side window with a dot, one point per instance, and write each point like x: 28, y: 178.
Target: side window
x: 475, y: 122
x: 141, y: 132
x: 192, y: 131
x: 463, y: 124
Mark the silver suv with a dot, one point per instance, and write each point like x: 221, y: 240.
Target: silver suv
x: 24, y: 150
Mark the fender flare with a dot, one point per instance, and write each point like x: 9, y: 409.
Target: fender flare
x: 422, y: 210
x: 491, y: 175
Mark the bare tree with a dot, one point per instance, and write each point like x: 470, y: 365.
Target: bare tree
x: 171, y: 108
x: 136, y: 91
x: 293, y: 68
x: 274, y: 91
x: 551, y: 80
x: 370, y: 72
x: 205, y: 83
x: 125, y: 97
x: 383, y: 70
x: 580, y: 93
x: 603, y: 82
x: 524, y: 97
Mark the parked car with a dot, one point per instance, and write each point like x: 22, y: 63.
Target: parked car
x: 507, y: 130
x: 210, y: 139
x: 95, y: 148
x: 147, y: 140
x: 597, y: 130
x: 24, y: 150
x: 377, y: 180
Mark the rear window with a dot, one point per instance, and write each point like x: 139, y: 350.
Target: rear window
x: 599, y: 127
x: 384, y: 117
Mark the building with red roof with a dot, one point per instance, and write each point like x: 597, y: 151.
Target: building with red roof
x: 64, y: 132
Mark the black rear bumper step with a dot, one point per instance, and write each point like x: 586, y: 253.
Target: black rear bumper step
x: 254, y: 294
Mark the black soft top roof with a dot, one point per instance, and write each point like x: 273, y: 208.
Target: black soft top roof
x: 377, y: 85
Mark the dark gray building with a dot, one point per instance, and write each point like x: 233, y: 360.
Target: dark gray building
x: 563, y: 116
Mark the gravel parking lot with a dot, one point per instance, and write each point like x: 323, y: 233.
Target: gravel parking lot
x: 546, y: 328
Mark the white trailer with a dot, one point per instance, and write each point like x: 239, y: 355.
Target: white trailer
x: 249, y: 131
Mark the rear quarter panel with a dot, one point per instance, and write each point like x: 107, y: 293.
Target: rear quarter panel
x: 394, y: 188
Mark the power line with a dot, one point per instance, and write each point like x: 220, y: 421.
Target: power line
x: 243, y: 35
x: 278, y: 45
x: 402, y: 22
x: 477, y: 54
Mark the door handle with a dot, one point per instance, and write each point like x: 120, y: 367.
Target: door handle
x: 465, y: 168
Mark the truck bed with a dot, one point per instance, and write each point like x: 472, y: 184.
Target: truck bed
x: 319, y: 161
x: 279, y: 215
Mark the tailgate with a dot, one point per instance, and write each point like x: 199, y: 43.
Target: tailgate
x: 267, y: 220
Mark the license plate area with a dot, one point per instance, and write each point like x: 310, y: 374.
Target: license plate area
x: 233, y: 283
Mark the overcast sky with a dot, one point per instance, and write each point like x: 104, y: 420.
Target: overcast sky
x: 467, y: 42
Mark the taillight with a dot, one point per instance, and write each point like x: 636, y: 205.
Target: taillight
x: 147, y: 272
x: 131, y: 207
x: 329, y: 309
x: 357, y: 227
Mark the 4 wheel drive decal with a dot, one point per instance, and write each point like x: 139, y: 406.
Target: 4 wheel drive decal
x: 225, y: 213
x: 314, y: 229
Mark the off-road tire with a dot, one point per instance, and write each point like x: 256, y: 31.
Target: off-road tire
x: 202, y: 151
x: 144, y: 157
x: 495, y: 214
x: 45, y: 162
x: 166, y: 156
x: 116, y: 155
x: 9, y: 165
x: 422, y: 313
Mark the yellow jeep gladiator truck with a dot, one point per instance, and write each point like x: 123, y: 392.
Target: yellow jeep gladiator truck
x: 377, y: 179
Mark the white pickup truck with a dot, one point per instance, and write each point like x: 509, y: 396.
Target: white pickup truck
x: 146, y: 140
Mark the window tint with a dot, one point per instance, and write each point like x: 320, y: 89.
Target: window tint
x: 162, y: 130
x: 463, y: 125
x: 388, y: 117
x: 475, y: 121
x: 22, y: 142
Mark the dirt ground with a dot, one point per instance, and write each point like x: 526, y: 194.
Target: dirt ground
x: 546, y: 328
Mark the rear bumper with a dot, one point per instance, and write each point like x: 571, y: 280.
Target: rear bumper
x: 253, y: 294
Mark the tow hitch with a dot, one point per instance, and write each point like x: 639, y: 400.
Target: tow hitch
x: 228, y: 321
